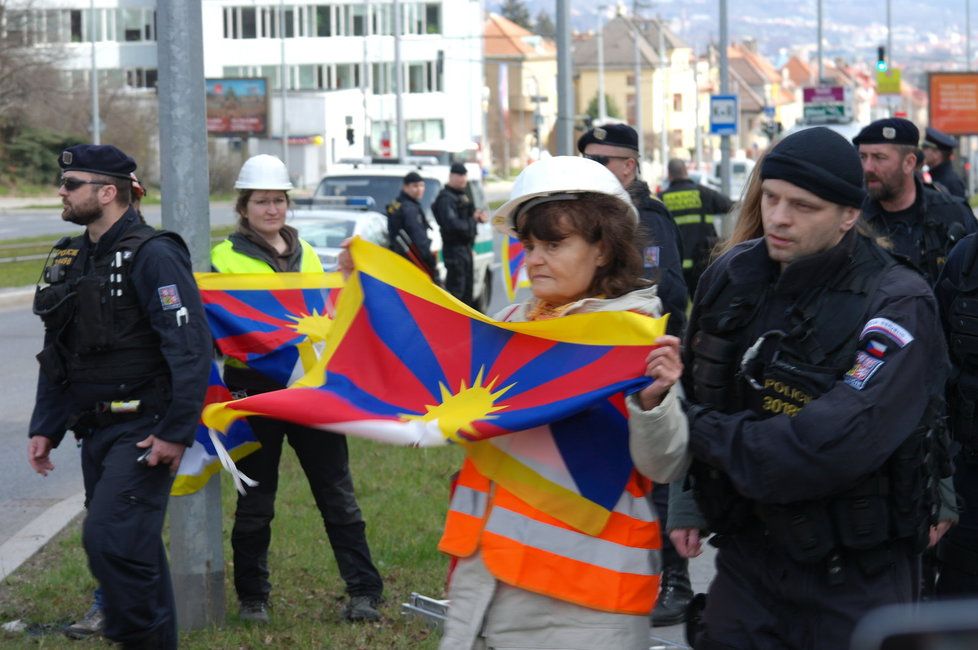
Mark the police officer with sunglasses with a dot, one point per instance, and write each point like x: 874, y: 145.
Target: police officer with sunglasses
x: 124, y: 366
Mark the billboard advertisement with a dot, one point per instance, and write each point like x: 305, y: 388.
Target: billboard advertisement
x: 953, y: 105
x: 237, y: 107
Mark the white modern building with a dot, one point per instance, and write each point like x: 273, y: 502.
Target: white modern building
x: 338, y: 59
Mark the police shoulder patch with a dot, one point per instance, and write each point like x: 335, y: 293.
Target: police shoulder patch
x: 651, y: 257
x: 862, y: 370
x: 169, y: 297
x: 886, y: 328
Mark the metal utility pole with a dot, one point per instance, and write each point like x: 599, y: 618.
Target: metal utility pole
x: 663, y: 138
x: 639, y: 127
x: 399, y: 81
x: 365, y: 80
x: 819, y: 81
x: 889, y: 55
x: 699, y: 134
x: 602, y: 102
x: 96, y: 122
x: 284, y: 74
x: 967, y: 35
x: 565, y: 87
x: 724, y: 89
x: 196, y: 540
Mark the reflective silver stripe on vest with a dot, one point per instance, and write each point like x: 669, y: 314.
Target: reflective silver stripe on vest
x: 469, y: 501
x: 635, y: 507
x: 571, y: 544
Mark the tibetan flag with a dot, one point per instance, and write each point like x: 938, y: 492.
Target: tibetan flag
x: 203, y: 459
x: 275, y: 323
x: 407, y: 363
x: 513, y: 266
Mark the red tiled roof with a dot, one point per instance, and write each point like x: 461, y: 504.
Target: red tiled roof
x: 504, y: 38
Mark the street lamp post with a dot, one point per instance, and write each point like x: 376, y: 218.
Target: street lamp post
x: 96, y: 123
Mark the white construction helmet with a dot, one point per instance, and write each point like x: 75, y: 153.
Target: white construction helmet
x: 559, y: 178
x: 263, y: 172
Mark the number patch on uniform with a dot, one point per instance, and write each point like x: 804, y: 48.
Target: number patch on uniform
x: 861, y: 372
x: 169, y: 297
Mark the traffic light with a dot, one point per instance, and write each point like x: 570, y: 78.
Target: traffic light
x: 881, y: 59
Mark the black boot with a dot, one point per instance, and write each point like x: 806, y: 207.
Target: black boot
x: 675, y: 594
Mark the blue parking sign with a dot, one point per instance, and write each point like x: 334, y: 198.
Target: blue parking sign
x: 723, y: 114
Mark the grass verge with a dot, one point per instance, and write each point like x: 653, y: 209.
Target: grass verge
x: 403, y: 494
x: 26, y: 272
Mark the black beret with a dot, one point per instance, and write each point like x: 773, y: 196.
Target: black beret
x: 615, y: 135
x: 820, y: 161
x: 97, y: 159
x: 889, y: 130
x: 412, y: 177
x: 939, y: 139
x: 458, y: 168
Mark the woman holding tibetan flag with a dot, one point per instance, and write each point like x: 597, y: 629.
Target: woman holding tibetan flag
x: 263, y: 243
x: 525, y: 578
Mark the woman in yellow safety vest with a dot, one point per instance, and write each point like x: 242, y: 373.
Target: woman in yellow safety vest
x: 525, y: 578
x: 263, y: 243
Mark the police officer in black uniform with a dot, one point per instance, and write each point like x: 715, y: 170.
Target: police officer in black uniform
x: 407, y: 227
x: 124, y: 366
x: 938, y: 149
x: 456, y: 216
x: 616, y: 147
x: 921, y: 224
x: 957, y: 294
x: 814, y: 373
x: 693, y: 207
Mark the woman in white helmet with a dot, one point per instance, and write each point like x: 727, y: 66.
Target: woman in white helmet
x: 525, y: 579
x: 263, y: 243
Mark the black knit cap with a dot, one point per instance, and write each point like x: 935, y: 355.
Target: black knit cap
x: 458, y: 168
x: 615, y: 135
x: 97, y: 159
x: 889, y: 130
x: 412, y: 177
x: 820, y: 161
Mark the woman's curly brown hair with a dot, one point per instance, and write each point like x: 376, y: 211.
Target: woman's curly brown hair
x: 600, y: 219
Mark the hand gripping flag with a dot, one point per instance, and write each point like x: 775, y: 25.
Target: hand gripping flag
x: 407, y: 363
x: 513, y: 266
x: 211, y: 450
x: 275, y: 323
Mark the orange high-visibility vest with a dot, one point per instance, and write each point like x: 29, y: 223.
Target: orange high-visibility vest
x: 615, y: 571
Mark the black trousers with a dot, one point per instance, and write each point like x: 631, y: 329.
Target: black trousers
x: 122, y: 536
x: 324, y: 459
x: 762, y: 600
x: 460, y: 271
x: 958, y: 551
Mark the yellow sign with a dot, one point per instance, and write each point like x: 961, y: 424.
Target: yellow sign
x: 888, y: 83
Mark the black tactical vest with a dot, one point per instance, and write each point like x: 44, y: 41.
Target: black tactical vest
x: 963, y: 346
x: 98, y: 332
x: 738, y: 366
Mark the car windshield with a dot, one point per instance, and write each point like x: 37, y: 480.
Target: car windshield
x: 383, y: 189
x: 325, y: 233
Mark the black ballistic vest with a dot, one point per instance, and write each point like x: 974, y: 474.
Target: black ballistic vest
x: 739, y: 364
x: 98, y: 333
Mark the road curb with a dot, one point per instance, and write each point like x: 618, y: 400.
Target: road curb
x: 16, y: 297
x: 29, y: 539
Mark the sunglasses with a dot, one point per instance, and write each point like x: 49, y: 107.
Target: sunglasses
x: 603, y: 160
x: 72, y: 184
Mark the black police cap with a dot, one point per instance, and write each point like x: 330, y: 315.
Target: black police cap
x: 97, y: 159
x: 615, y: 135
x: 939, y: 139
x: 412, y: 177
x: 459, y: 168
x: 889, y: 130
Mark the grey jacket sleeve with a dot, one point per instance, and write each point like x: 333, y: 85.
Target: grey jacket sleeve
x: 658, y: 438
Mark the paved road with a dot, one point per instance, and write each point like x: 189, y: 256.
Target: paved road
x: 16, y: 222
x: 23, y: 494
